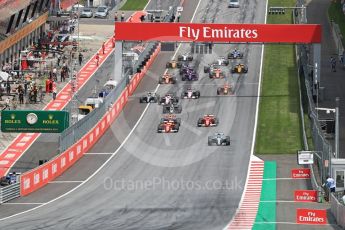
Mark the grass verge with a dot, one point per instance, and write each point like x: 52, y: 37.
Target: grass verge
x: 335, y: 13
x: 134, y: 5
x: 279, y: 124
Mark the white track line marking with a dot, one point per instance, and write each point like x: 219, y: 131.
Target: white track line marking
x: 98, y: 153
x: 105, y: 163
x: 65, y: 181
x: 21, y: 203
x: 257, y: 107
x: 147, y: 5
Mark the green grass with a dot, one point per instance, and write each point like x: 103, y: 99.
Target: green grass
x: 279, y: 124
x: 335, y: 13
x: 134, y: 5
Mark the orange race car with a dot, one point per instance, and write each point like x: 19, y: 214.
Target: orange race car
x: 167, y: 79
x: 214, y: 71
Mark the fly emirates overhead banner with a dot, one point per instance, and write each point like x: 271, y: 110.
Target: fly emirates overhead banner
x: 194, y: 32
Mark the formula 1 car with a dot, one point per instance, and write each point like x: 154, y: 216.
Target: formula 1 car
x: 150, y: 97
x: 171, y: 118
x: 222, y: 61
x: 214, y: 71
x: 173, y: 64
x: 190, y: 94
x: 172, y: 108
x: 169, y: 98
x: 224, y: 90
x: 185, y: 68
x: 208, y: 121
x: 239, y: 68
x: 190, y: 75
x: 168, y: 127
x: 235, y: 54
x: 185, y: 57
x: 219, y: 139
x: 167, y: 79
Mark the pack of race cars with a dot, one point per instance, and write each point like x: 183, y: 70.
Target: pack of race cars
x: 188, y: 72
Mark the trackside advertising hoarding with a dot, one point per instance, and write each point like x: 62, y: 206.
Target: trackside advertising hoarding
x: 195, y: 32
x: 311, y: 216
x: 302, y: 173
x: 305, y: 195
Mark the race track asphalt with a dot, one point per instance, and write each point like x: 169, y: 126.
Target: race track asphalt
x: 164, y: 181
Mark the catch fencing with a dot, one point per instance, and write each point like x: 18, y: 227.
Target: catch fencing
x: 310, y: 95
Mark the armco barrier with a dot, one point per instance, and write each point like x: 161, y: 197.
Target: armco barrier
x: 9, y: 192
x: 40, y: 176
x: 338, y: 210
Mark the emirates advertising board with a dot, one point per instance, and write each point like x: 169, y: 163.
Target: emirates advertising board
x: 311, y: 216
x: 305, y: 195
x: 302, y: 173
x: 199, y: 32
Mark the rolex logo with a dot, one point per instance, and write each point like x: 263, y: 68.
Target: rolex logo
x: 13, y: 116
x: 50, y: 116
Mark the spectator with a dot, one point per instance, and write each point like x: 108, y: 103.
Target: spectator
x: 80, y: 58
x: 178, y: 16
x: 62, y: 75
x: 25, y: 87
x: 34, y: 89
x: 1, y: 93
x: 333, y: 64
x: 21, y: 96
x: 103, y: 47
x: 122, y: 16
x: 97, y: 58
x: 55, y: 74
x: 8, y: 87
x: 54, y: 90
x: 330, y: 183
x: 115, y: 17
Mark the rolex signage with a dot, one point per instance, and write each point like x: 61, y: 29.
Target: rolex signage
x: 31, y: 121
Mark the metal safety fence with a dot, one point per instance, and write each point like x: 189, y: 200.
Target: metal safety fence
x: 310, y: 95
x: 9, y: 192
x: 338, y: 210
